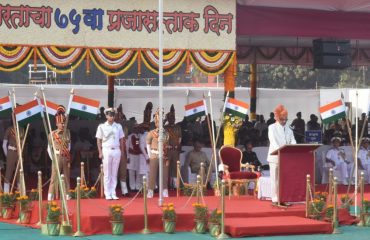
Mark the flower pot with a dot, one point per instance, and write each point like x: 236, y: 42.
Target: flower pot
x: 200, y: 226
x: 117, y: 227
x: 169, y: 226
x: 366, y: 219
x: 214, y: 229
x: 53, y: 228
x: 25, y: 217
x: 7, y: 212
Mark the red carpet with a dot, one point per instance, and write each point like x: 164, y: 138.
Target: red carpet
x: 247, y: 210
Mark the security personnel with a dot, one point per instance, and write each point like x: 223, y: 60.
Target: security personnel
x: 364, y: 157
x: 111, y: 147
x: 174, y: 144
x: 62, y: 143
x: 152, y: 144
x: 11, y: 153
x: 337, y: 158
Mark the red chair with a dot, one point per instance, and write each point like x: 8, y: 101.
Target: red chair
x: 231, y: 157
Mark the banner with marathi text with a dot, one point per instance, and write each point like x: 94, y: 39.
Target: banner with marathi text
x: 188, y: 24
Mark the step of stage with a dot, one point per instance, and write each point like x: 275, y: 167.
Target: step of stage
x: 271, y: 226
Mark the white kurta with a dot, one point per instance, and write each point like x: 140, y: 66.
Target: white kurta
x: 134, y: 163
x: 278, y: 136
x: 144, y: 166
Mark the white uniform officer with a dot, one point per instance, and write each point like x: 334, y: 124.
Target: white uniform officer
x: 364, y: 157
x: 336, y: 157
x: 111, y: 147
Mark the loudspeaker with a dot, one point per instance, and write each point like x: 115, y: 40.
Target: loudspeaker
x: 331, y: 54
x: 331, y: 47
x: 332, y: 61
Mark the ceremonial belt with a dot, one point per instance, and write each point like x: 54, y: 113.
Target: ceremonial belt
x: 154, y: 151
x: 172, y: 147
x: 12, y: 148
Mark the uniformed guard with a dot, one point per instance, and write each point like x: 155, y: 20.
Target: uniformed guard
x: 11, y: 152
x: 174, y: 144
x: 152, y: 141
x: 62, y: 143
x: 111, y: 147
x: 133, y: 158
x: 364, y: 158
x: 336, y: 157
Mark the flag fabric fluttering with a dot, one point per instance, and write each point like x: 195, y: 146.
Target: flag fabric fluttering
x: 236, y: 107
x: 28, y: 112
x: 51, y: 107
x: 82, y: 107
x: 333, y: 111
x: 195, y: 109
x: 5, y: 107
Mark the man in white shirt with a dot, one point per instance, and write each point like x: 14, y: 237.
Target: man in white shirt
x: 111, y: 147
x: 364, y: 158
x: 279, y: 135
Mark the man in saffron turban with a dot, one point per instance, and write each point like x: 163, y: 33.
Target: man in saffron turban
x: 279, y: 135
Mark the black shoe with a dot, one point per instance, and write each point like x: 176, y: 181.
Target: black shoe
x: 274, y: 204
x: 285, y: 204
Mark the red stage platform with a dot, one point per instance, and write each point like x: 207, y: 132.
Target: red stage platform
x: 245, y: 216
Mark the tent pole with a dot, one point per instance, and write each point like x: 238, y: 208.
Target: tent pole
x: 160, y: 76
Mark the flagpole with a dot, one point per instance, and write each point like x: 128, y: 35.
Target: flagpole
x: 17, y: 168
x: 160, y: 89
x: 67, y: 118
x: 213, y: 138
x: 19, y: 148
x: 222, y: 117
x: 356, y: 155
x: 62, y: 192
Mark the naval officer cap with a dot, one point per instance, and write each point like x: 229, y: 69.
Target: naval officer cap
x: 110, y: 111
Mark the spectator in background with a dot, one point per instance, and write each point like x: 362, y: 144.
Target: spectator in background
x: 101, y: 115
x: 271, y: 120
x: 298, y: 126
x: 313, y: 124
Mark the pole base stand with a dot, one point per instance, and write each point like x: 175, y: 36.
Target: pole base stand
x: 78, y: 234
x: 146, y: 231
x: 223, y: 236
x: 65, y: 230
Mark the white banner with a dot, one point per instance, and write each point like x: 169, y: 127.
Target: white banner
x: 188, y: 24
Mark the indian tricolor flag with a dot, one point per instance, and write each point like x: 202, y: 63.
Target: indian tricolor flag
x: 333, y: 111
x: 236, y: 107
x: 83, y: 107
x: 5, y: 107
x: 196, y: 109
x: 28, y: 112
x: 51, y: 107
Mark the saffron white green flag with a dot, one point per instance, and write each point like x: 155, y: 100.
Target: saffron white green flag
x: 333, y: 111
x: 196, y: 109
x: 51, y: 107
x: 83, y: 107
x: 236, y: 107
x: 28, y: 112
x: 5, y: 107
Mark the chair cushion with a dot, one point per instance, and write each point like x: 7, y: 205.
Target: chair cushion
x: 243, y: 175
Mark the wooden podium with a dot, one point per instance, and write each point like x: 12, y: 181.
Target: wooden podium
x: 295, y: 163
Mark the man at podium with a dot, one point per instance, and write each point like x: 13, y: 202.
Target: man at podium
x: 279, y: 135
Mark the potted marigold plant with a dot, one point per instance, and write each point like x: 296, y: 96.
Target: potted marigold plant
x: 201, y: 213
x: 116, y: 218
x: 316, y: 208
x: 8, y: 201
x: 25, y: 205
x: 214, y: 222
x: 34, y: 195
x: 366, y: 214
x: 321, y: 195
x: 169, y: 218
x: 329, y: 213
x: 53, y: 218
